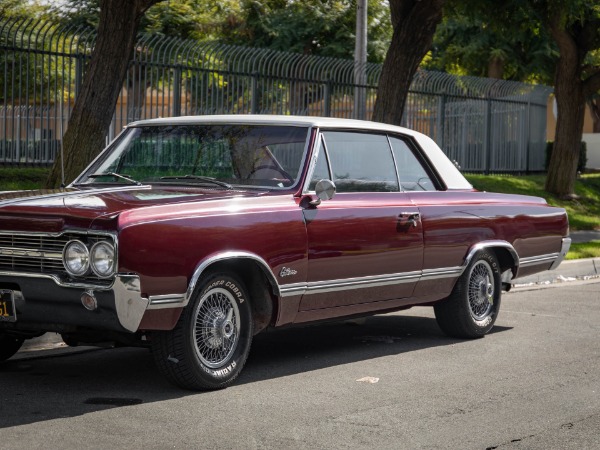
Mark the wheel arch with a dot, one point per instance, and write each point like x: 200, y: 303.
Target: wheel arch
x: 249, y: 267
x: 504, y: 251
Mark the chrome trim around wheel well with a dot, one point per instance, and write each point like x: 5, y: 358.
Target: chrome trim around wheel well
x: 484, y: 245
x: 226, y: 256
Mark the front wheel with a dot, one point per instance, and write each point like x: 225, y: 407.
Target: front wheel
x: 209, y: 345
x: 9, y: 345
x: 472, y: 308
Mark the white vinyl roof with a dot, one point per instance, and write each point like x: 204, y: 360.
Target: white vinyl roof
x: 446, y: 169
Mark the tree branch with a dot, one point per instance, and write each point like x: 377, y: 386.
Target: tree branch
x: 589, y: 36
x: 592, y: 84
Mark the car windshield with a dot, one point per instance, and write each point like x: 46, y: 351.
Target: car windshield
x: 217, y: 156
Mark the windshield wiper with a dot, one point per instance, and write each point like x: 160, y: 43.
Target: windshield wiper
x: 200, y: 178
x: 116, y: 175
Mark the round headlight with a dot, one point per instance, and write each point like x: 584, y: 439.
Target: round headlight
x: 76, y: 258
x: 102, y: 257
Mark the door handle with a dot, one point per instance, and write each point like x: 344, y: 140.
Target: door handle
x: 411, y: 217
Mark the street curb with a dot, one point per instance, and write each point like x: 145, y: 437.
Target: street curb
x: 575, y: 269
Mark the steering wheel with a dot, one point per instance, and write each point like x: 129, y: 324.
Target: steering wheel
x: 279, y: 170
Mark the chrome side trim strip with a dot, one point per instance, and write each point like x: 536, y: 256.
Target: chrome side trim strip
x: 319, y: 287
x: 566, y: 245
x: 533, y: 260
x: 166, y: 301
x: 444, y: 272
x: 289, y: 290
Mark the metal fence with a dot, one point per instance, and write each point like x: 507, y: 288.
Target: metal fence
x: 486, y: 125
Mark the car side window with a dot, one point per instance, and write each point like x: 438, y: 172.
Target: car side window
x: 361, y: 162
x: 412, y: 174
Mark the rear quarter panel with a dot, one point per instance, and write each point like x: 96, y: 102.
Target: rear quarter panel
x: 454, y: 221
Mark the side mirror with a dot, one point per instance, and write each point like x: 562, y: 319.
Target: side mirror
x: 325, y: 190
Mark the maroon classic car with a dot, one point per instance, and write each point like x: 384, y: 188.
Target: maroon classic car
x: 191, y: 235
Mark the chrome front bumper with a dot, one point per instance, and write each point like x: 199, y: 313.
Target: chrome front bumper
x: 43, y: 302
x: 129, y: 303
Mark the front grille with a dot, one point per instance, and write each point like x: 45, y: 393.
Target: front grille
x: 42, y: 254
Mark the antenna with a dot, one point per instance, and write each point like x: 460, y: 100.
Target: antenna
x: 62, y: 147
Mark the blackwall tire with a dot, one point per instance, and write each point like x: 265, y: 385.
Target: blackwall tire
x: 473, y: 307
x: 9, y: 345
x: 209, y: 346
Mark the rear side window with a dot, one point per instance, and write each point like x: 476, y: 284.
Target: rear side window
x: 361, y: 162
x: 412, y: 174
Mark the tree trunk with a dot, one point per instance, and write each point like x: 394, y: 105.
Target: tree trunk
x: 570, y: 101
x: 414, y: 23
x: 595, y: 110
x: 496, y: 68
x: 94, y: 105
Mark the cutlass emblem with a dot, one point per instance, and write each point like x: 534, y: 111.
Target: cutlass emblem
x: 286, y: 271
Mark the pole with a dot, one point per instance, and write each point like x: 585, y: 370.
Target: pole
x: 360, y: 61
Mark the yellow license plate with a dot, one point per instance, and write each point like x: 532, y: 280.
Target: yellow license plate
x: 8, y: 312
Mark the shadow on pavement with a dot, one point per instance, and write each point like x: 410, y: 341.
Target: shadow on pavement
x: 69, y: 385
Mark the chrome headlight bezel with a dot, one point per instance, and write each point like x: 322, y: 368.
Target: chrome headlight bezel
x: 110, y: 249
x: 85, y: 267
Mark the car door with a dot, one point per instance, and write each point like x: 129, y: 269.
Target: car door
x: 366, y: 243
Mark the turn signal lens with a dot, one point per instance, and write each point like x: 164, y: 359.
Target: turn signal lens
x: 102, y: 258
x: 76, y: 258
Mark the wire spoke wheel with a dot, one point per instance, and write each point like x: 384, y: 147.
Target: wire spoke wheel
x: 217, y: 327
x: 481, y: 290
x: 471, y: 310
x: 209, y: 346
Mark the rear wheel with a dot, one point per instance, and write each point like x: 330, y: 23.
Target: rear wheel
x: 9, y: 345
x: 209, y: 345
x: 472, y: 308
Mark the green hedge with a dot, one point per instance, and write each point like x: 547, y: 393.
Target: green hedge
x: 582, y: 156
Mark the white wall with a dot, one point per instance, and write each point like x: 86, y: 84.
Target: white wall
x: 593, y: 150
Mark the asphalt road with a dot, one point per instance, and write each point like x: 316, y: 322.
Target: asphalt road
x: 534, y: 383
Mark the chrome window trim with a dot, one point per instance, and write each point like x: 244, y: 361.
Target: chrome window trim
x: 313, y: 160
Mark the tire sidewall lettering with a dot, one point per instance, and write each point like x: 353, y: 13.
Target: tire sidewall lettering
x: 220, y: 373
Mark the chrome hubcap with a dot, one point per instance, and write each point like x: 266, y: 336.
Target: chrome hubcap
x: 217, y: 327
x: 481, y: 290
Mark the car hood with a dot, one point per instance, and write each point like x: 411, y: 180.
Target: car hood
x: 55, y: 210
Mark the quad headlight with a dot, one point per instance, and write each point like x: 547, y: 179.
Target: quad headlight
x: 102, y: 259
x: 78, y: 259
